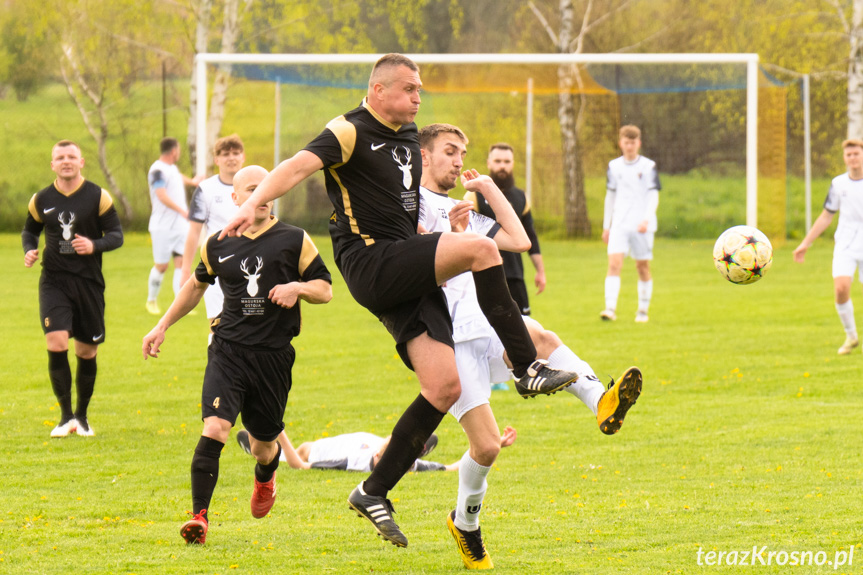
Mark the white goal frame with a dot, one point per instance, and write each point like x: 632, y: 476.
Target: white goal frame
x: 750, y: 60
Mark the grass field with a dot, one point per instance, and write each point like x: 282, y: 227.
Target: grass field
x: 745, y: 435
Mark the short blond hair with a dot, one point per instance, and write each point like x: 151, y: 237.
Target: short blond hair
x: 852, y: 142
x: 630, y: 132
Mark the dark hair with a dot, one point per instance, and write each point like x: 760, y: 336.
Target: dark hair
x: 428, y: 134
x: 500, y: 146
x: 168, y: 144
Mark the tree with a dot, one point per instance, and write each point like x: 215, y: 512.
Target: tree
x: 103, y: 51
x: 233, y: 11
x: 576, y: 23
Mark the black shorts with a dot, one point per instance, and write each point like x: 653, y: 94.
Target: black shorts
x: 248, y: 381
x: 69, y: 303
x: 395, y: 280
x: 518, y: 291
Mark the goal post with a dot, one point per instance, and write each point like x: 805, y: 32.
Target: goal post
x: 750, y: 61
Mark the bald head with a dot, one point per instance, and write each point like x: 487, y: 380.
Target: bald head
x: 248, y: 178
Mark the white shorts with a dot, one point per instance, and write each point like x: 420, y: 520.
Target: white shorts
x: 214, y: 299
x: 845, y: 263
x: 480, y: 363
x: 630, y: 242
x: 167, y: 244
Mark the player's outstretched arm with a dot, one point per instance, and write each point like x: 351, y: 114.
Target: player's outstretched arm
x: 190, y: 251
x: 822, y: 222
x: 277, y: 183
x: 291, y: 456
x: 512, y: 237
x: 188, y: 297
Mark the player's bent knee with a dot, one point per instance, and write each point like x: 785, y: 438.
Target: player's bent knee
x: 486, y: 453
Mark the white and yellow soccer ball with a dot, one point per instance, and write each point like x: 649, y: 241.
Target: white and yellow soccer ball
x: 742, y: 254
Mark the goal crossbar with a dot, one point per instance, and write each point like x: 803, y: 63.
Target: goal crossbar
x: 749, y: 60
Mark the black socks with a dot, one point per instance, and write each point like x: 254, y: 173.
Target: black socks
x: 412, y: 430
x: 205, y: 472
x: 61, y: 381
x: 504, y: 316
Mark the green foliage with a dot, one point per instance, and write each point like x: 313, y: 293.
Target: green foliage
x: 26, y: 55
x: 738, y: 439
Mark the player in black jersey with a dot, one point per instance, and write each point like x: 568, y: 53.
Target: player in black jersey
x: 80, y: 223
x: 264, y: 274
x: 372, y: 165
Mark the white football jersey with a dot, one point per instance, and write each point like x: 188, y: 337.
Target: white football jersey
x: 460, y: 291
x: 630, y: 183
x: 357, y: 448
x: 163, y: 218
x: 846, y: 197
x: 212, y: 205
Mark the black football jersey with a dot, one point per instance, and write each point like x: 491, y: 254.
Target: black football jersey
x: 89, y: 212
x: 248, y: 267
x: 372, y: 170
x: 512, y: 263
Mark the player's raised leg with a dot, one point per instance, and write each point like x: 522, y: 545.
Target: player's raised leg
x: 458, y: 252
x: 267, y: 454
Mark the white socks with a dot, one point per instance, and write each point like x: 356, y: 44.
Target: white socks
x: 176, y: 281
x: 645, y: 291
x: 471, y: 491
x: 587, y: 388
x: 154, y: 284
x: 612, y: 291
x: 846, y: 316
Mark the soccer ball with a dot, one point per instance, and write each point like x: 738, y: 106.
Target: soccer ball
x: 742, y: 254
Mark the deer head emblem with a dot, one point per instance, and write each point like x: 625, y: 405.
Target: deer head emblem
x: 407, y: 179
x: 252, y: 288
x: 67, y: 226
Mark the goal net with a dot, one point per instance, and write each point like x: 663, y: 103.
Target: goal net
x: 712, y: 147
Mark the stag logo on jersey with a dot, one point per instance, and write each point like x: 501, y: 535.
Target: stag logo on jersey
x: 252, y: 287
x: 67, y: 226
x: 407, y: 178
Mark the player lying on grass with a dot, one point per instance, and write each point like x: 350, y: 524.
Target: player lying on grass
x: 480, y: 358
x: 359, y: 451
x: 264, y: 273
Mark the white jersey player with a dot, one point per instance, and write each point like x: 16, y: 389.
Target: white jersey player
x: 168, y: 224
x: 480, y: 358
x: 212, y: 207
x: 846, y: 197
x: 629, y: 222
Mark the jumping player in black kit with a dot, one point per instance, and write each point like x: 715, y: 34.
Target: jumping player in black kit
x: 80, y: 223
x: 264, y: 274
x: 372, y: 165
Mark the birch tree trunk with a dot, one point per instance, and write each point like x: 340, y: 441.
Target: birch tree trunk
x: 202, y: 31
x: 81, y: 92
x: 855, y: 72
x: 216, y: 116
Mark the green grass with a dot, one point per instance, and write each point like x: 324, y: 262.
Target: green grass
x: 745, y: 435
